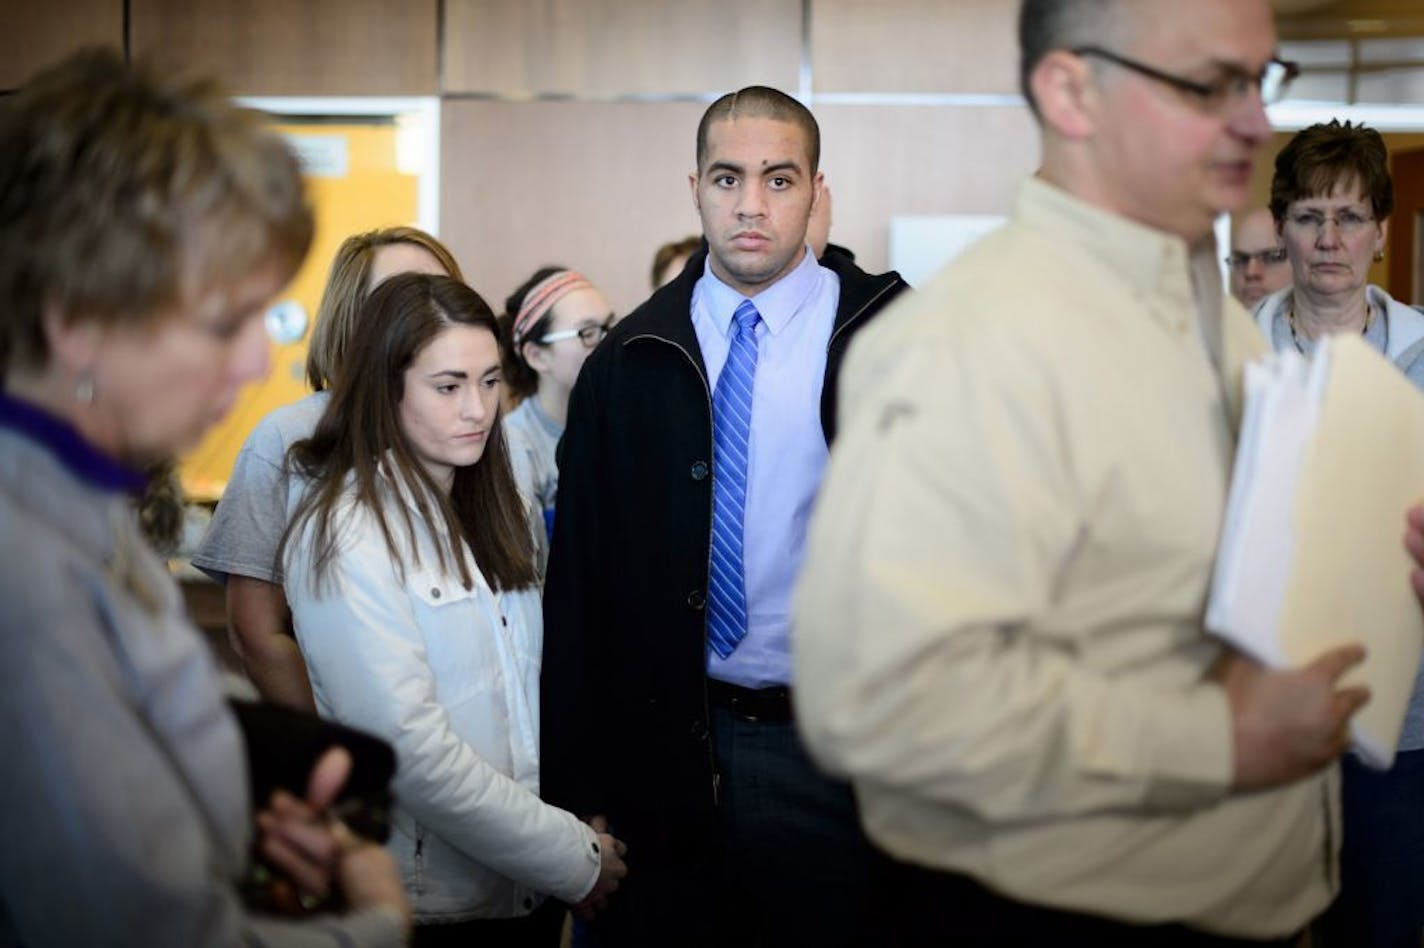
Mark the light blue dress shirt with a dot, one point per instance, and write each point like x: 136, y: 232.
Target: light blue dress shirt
x: 787, y: 449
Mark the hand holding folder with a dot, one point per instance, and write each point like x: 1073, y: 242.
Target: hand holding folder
x: 1331, y: 455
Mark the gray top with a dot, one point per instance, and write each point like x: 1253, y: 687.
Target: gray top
x: 1399, y: 336
x: 533, y: 438
x: 248, y: 523
x: 125, y: 815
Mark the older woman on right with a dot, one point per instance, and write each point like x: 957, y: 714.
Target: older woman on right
x: 1331, y: 197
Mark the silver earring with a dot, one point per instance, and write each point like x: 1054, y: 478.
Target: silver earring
x: 84, y: 388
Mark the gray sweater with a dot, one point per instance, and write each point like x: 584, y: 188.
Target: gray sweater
x: 123, y: 795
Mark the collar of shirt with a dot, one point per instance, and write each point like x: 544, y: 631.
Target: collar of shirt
x: 1155, y: 263
x: 777, y: 305
x: 68, y: 446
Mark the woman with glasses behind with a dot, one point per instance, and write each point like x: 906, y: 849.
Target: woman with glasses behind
x: 1331, y: 196
x: 552, y: 322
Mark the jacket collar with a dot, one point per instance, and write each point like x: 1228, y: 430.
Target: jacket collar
x: 859, y: 290
x: 68, y: 447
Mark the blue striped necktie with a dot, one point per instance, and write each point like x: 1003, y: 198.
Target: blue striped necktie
x: 731, y: 435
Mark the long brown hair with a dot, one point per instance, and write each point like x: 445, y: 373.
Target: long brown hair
x: 360, y: 432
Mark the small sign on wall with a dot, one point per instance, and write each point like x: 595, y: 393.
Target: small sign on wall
x: 322, y: 156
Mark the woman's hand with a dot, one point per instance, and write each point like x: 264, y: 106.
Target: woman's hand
x: 1414, y: 543
x: 317, y: 856
x: 610, y: 853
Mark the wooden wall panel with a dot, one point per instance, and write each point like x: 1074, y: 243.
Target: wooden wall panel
x: 967, y: 46
x: 294, y: 47
x: 613, y: 47
x: 880, y: 161
x: 598, y: 186
x: 595, y: 186
x: 34, y: 35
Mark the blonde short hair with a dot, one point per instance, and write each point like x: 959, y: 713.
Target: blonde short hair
x: 123, y: 193
x: 347, y: 285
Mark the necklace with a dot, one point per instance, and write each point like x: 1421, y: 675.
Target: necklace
x: 1295, y: 339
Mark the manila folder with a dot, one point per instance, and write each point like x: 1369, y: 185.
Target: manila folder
x: 1349, y: 579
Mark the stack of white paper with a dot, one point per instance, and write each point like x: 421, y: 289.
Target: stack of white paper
x: 1331, y: 454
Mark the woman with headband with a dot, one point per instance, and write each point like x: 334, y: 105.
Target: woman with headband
x: 554, y: 320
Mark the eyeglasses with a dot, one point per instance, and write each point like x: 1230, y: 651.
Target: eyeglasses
x: 1313, y: 222
x: 590, y: 336
x: 1220, y: 95
x: 1240, y: 260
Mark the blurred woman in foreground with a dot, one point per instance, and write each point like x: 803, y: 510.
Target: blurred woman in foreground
x: 144, y: 226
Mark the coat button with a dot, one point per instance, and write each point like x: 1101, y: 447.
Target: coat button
x: 699, y: 470
x: 696, y: 599
x: 699, y: 730
x: 528, y: 903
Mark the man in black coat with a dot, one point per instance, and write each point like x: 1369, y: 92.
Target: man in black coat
x: 696, y: 437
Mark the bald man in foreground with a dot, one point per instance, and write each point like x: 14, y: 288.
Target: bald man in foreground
x: 998, y: 631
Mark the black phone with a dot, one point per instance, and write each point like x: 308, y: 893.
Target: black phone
x: 283, y: 745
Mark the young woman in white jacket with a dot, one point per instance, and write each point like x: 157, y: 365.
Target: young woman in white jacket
x: 410, y: 573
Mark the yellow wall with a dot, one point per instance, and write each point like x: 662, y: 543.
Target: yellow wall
x: 373, y: 193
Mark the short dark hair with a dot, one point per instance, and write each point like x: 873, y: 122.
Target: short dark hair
x: 1046, y: 25
x: 761, y: 102
x: 1323, y: 156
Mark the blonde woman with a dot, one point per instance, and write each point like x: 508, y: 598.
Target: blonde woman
x: 240, y: 546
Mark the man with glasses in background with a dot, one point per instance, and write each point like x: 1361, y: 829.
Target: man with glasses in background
x: 998, y: 630
x: 1257, y: 262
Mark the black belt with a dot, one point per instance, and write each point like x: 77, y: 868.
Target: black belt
x: 766, y: 705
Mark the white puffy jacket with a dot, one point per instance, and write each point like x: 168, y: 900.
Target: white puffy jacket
x: 450, y: 677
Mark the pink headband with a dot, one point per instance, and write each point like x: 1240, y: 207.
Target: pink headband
x: 543, y: 295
